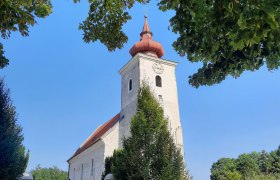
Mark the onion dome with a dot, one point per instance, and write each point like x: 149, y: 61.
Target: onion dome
x: 146, y: 44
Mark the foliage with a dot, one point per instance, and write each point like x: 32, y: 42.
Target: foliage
x: 228, y: 37
x: 13, y: 158
x: 3, y: 60
x: 225, y: 169
x: 18, y: 15
x: 150, y: 152
x: 247, y: 164
x: 107, y: 168
x: 52, y: 173
x: 257, y: 166
x: 105, y: 20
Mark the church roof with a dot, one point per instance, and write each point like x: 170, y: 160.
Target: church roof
x: 96, y: 135
x: 147, y: 44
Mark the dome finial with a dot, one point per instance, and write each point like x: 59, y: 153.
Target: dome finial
x: 146, y: 32
x: 147, y: 45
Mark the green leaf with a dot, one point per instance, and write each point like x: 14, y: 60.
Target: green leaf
x: 242, y: 22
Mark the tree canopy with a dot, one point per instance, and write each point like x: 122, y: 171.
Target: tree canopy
x: 257, y: 166
x: 51, y: 173
x: 13, y: 158
x: 228, y: 37
x: 19, y: 15
x: 150, y: 151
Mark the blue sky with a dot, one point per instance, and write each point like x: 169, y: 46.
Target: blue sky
x: 64, y: 89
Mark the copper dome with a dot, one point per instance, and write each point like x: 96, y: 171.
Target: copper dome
x: 146, y: 44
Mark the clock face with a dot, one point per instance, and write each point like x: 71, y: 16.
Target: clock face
x: 158, y: 68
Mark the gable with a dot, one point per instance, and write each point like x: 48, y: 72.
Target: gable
x: 96, y: 135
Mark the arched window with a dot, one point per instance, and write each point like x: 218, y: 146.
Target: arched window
x: 82, y: 172
x: 74, y: 174
x: 92, y: 168
x: 158, y: 81
x: 130, y: 85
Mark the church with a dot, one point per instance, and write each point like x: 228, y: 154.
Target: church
x: 87, y: 163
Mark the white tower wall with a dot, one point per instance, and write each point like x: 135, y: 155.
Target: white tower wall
x: 138, y: 69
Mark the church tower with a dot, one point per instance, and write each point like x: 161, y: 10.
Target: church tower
x: 87, y: 162
x: 147, y: 65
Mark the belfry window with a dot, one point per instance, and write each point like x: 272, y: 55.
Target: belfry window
x: 130, y: 85
x: 158, y: 81
x: 160, y: 99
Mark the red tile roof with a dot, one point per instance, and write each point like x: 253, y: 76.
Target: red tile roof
x: 96, y: 136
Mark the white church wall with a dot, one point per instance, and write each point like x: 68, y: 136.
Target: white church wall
x: 97, y: 153
x: 81, y: 165
x: 129, y: 72
x: 128, y: 97
x: 111, y: 140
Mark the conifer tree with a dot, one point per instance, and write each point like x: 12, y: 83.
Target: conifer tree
x: 150, y: 151
x: 13, y: 159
